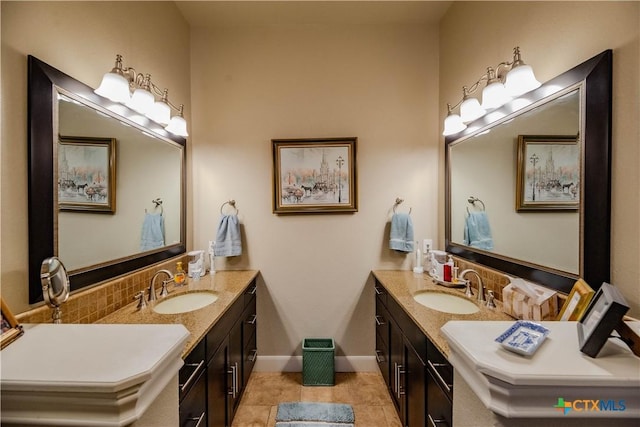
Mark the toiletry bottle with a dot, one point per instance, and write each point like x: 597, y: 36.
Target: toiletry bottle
x: 454, y: 275
x: 179, y: 277
x: 448, y: 269
x: 417, y: 264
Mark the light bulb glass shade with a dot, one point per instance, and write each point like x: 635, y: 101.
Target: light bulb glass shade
x: 114, y: 87
x: 160, y: 113
x: 141, y: 101
x: 178, y: 126
x: 453, y: 124
x: 521, y: 80
x: 470, y: 110
x: 494, y: 95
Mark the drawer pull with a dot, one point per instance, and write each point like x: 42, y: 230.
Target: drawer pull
x: 379, y: 356
x: 252, y: 319
x: 380, y: 320
x: 253, y: 290
x: 199, y: 419
x: 193, y: 375
x: 440, y: 379
x: 234, y: 380
x: 253, y: 355
x: 378, y: 290
x: 434, y: 423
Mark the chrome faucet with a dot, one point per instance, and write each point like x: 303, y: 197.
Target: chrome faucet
x: 480, y: 286
x: 152, y: 287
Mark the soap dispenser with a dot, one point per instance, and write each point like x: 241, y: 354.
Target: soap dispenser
x: 448, y: 269
x: 180, y: 276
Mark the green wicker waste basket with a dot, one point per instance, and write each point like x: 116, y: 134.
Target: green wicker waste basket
x: 318, y: 361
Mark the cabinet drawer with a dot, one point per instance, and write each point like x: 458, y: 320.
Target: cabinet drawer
x: 193, y: 408
x: 441, y: 369
x: 382, y: 322
x: 439, y: 404
x: 194, y: 365
x: 249, y: 322
x: 382, y: 357
x: 250, y: 293
x: 250, y: 355
x: 380, y: 291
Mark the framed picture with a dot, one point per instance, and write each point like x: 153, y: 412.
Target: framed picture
x: 10, y: 328
x: 549, y: 173
x: 87, y: 174
x: 577, y: 301
x: 314, y: 175
x: 603, y: 315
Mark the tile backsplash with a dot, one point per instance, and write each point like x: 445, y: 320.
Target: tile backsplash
x: 89, y: 305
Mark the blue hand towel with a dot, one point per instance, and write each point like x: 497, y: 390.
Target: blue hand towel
x: 152, y: 232
x: 228, y: 236
x: 401, y: 236
x: 477, y: 232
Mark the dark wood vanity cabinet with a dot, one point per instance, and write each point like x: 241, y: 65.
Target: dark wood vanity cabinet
x: 227, y: 354
x: 405, y: 357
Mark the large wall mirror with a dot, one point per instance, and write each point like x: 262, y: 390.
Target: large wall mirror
x: 537, y: 171
x: 102, y: 183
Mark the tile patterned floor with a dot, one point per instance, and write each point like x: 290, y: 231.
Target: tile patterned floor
x: 365, y: 391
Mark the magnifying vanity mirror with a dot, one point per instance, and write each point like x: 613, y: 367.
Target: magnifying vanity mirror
x: 96, y: 173
x: 539, y: 169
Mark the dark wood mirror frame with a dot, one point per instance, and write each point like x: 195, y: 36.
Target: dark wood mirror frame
x: 595, y: 75
x: 42, y: 97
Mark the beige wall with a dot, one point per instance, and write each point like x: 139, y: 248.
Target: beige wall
x: 554, y: 37
x: 81, y: 39
x: 374, y: 82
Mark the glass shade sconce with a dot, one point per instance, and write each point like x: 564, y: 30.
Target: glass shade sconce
x: 138, y: 92
x: 506, y: 81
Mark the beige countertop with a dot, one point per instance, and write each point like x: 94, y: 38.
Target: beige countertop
x: 228, y: 285
x: 402, y: 285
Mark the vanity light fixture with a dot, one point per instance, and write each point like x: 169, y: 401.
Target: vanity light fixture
x: 120, y: 81
x: 500, y: 89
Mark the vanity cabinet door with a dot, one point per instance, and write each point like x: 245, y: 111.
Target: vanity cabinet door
x: 218, y: 386
x: 413, y: 380
x: 397, y: 367
x: 234, y: 370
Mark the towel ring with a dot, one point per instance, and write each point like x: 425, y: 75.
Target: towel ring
x: 399, y: 201
x: 472, y: 201
x: 231, y: 203
x: 158, y: 202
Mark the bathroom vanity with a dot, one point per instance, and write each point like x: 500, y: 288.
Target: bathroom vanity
x: 445, y: 369
x: 221, y: 347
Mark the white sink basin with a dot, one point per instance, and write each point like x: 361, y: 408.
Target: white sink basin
x: 185, y: 302
x: 446, y: 303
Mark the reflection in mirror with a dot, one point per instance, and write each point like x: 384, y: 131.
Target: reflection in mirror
x: 55, y: 285
x: 146, y: 168
x: 552, y: 244
x: 148, y: 164
x: 485, y: 166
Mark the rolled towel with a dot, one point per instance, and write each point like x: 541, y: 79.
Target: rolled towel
x: 401, y: 235
x: 228, y: 236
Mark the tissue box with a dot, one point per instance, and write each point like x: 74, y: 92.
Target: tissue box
x: 515, y: 303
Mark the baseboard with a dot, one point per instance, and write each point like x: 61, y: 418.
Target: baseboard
x: 294, y: 364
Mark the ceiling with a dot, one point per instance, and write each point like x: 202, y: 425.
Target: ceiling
x: 210, y: 14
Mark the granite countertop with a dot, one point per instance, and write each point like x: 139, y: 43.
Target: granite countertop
x: 402, y: 285
x: 228, y: 285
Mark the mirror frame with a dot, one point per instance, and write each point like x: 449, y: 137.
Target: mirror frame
x: 594, y: 76
x: 43, y: 80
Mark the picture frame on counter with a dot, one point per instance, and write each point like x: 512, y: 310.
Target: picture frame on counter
x: 577, y: 301
x: 314, y: 175
x: 604, y: 314
x: 11, y: 330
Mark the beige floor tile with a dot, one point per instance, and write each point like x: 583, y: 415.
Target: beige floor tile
x: 251, y: 416
x: 390, y: 413
x: 369, y: 416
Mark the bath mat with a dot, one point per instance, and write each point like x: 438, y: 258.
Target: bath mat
x: 302, y: 414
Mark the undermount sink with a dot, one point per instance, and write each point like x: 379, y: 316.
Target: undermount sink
x: 446, y: 303
x: 185, y: 302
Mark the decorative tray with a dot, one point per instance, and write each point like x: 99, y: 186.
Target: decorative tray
x: 441, y: 282
x: 523, y: 337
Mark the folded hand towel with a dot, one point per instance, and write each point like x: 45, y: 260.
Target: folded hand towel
x: 401, y: 236
x: 477, y: 232
x: 152, y: 232
x: 228, y: 236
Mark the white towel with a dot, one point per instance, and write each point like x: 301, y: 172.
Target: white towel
x: 228, y: 236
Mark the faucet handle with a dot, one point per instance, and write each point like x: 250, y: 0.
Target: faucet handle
x: 468, y: 292
x: 164, y: 292
x: 141, y: 302
x: 490, y: 299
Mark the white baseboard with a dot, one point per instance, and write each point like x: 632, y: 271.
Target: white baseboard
x: 294, y: 364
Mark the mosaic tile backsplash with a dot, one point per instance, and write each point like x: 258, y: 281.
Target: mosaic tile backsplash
x: 87, y: 306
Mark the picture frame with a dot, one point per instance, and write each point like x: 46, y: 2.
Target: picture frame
x: 549, y: 171
x: 11, y: 330
x: 577, y: 301
x: 314, y: 175
x: 86, y: 174
x: 604, y: 314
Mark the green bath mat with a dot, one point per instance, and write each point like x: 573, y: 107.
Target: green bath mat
x: 303, y: 414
